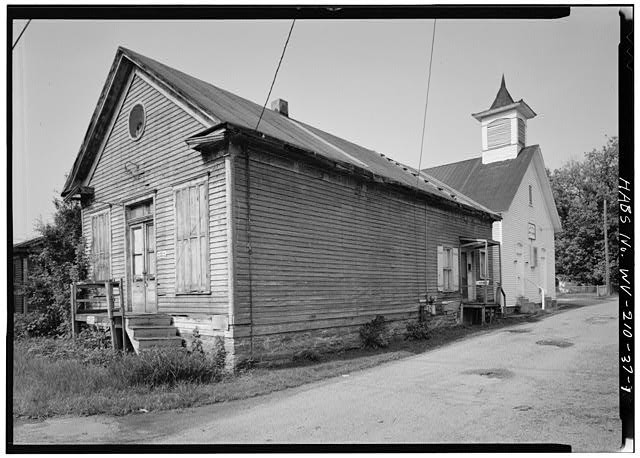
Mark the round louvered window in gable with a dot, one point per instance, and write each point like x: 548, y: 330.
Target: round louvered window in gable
x: 137, y: 120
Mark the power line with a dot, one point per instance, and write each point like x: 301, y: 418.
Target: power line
x: 19, y: 36
x: 426, y: 104
x: 415, y: 219
x: 276, y: 74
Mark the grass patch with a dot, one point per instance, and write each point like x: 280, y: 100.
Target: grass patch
x: 59, y: 377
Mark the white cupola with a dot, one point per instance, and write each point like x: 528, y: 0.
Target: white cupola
x: 504, y: 127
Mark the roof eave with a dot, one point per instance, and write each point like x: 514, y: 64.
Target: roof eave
x: 521, y: 106
x: 234, y: 130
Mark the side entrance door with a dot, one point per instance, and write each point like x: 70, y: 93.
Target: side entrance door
x: 471, y: 276
x: 142, y: 276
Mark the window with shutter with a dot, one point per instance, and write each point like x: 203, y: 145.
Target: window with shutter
x: 447, y: 268
x: 192, y: 238
x: 100, y: 246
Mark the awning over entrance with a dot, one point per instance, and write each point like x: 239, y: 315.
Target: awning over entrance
x: 477, y: 243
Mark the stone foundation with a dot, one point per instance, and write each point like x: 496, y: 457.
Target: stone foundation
x: 284, y: 346
x: 281, y: 347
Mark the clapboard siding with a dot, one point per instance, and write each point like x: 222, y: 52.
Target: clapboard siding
x: 329, y: 246
x: 515, y: 230
x: 165, y: 160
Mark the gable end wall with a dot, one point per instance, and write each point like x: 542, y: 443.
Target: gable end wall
x: 166, y: 160
x: 515, y: 229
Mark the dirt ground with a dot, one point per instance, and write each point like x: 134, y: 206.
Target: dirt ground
x: 549, y: 381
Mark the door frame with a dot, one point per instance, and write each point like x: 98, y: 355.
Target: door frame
x: 127, y: 242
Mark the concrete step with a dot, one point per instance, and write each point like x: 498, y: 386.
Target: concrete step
x: 144, y: 343
x: 139, y: 331
x: 155, y: 319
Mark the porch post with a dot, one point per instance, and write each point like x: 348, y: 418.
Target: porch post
x: 486, y: 269
x: 108, y: 286
x: 500, y: 274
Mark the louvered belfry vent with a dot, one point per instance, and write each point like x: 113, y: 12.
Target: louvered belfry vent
x: 504, y: 126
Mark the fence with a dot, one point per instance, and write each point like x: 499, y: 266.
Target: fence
x: 598, y: 290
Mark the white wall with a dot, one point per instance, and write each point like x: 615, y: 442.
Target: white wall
x: 515, y: 225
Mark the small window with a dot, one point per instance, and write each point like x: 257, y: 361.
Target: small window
x: 136, y: 121
x: 530, y: 195
x: 534, y: 256
x: 446, y: 269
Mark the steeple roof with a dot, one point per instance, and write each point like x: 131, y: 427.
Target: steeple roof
x: 503, y: 98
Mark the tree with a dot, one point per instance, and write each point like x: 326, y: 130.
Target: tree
x: 579, y: 189
x: 61, y: 261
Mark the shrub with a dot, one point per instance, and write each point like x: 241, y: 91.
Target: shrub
x: 246, y: 364
x: 50, y: 322
x: 307, y: 355
x: 60, y: 261
x: 157, y: 367
x: 20, y: 323
x: 374, y: 333
x: 417, y: 330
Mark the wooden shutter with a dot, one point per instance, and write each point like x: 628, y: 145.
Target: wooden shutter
x: 192, y: 238
x: 499, y: 133
x: 455, y: 270
x: 440, y: 266
x: 100, y: 245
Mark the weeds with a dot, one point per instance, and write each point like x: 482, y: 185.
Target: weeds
x: 156, y: 367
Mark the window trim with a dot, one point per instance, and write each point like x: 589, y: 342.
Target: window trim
x: 202, y: 179
x: 530, y: 195
x: 144, y: 121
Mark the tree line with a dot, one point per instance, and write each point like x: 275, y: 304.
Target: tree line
x: 580, y: 189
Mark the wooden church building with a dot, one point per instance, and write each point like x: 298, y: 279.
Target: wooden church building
x: 510, y: 178
x: 259, y: 228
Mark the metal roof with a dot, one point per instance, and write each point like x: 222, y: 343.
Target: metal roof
x: 493, y: 185
x: 222, y: 106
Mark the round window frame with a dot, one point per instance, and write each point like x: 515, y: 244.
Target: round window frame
x: 144, y: 121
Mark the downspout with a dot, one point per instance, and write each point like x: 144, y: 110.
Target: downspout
x: 249, y: 249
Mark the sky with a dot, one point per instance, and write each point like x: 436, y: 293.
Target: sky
x: 363, y: 80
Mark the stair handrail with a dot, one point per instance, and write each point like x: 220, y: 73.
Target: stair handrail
x: 504, y: 297
x: 108, y: 285
x: 540, y: 288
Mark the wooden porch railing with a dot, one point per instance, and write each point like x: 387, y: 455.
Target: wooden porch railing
x: 85, y: 300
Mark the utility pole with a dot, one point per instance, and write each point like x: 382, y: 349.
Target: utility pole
x: 606, y: 251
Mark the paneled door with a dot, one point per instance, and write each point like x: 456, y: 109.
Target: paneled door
x: 143, y: 267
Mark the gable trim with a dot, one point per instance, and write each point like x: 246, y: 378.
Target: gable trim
x: 547, y: 193
x: 194, y: 113
x: 112, y: 123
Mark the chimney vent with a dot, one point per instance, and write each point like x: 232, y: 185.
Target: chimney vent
x: 281, y: 106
